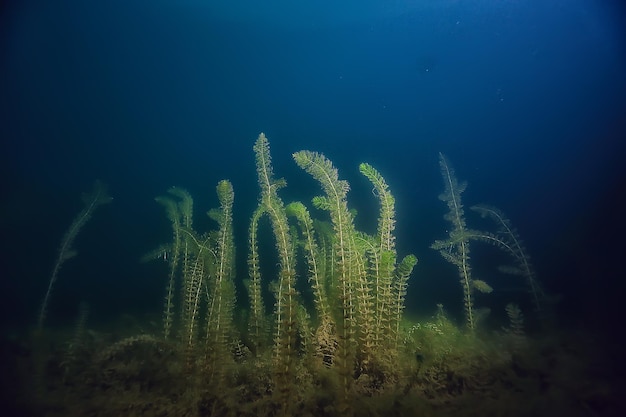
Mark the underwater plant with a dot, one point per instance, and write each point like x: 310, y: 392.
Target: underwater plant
x: 206, y: 275
x: 508, y: 239
x: 91, y: 201
x: 357, y: 286
x: 456, y: 249
x: 322, y: 331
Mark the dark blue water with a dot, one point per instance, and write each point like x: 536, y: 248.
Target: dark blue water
x: 526, y: 98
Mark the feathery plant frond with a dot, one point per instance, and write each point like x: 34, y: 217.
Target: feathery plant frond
x: 358, y: 289
x: 91, y: 201
x: 403, y: 272
x: 335, y: 201
x: 384, y: 258
x: 286, y: 305
x: 515, y: 331
x: 185, y: 205
x: 219, y: 321
x: 173, y: 212
x: 312, y: 255
x: 221, y: 287
x: 456, y: 249
x: 507, y: 238
x: 178, y: 206
x: 386, y: 218
x: 256, y: 320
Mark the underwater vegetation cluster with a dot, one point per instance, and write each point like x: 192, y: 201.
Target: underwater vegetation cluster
x: 321, y: 334
x: 358, y: 287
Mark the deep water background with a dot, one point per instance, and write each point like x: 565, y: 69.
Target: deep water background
x: 527, y: 100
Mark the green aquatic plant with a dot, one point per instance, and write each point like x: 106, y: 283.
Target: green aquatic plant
x: 205, y: 265
x: 311, y: 253
x: 357, y: 288
x: 221, y: 286
x: 256, y: 319
x: 180, y: 215
x: 91, y: 201
x: 286, y: 305
x: 456, y: 249
x: 508, y: 239
x: 323, y: 329
x: 381, y: 253
x: 346, y: 259
x: 369, y: 287
x: 199, y: 258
